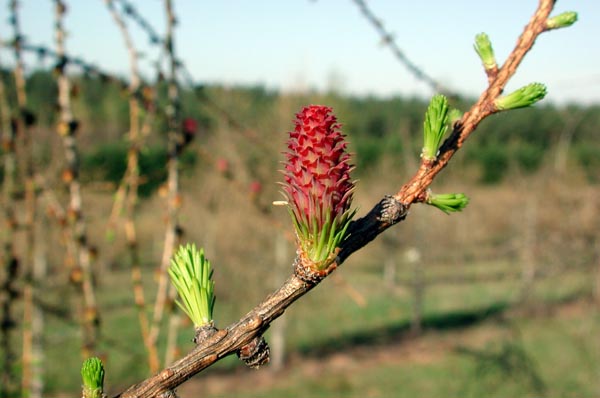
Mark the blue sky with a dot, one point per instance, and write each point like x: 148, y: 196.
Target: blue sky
x: 306, y: 44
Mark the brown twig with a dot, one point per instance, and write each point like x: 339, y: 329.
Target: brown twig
x: 24, y: 155
x: 8, y: 290
x: 86, y: 67
x: 130, y: 11
x: 179, y: 142
x: 128, y: 189
x: 67, y: 129
x: 175, y: 145
x: 387, y: 38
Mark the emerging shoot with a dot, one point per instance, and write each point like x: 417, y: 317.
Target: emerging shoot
x: 449, y: 202
x: 483, y: 47
x: 92, y: 373
x: 192, y: 277
x: 521, y: 98
x: 563, y: 20
x: 454, y: 116
x: 435, y: 126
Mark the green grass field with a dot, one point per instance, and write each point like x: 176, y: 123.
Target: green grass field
x: 476, y: 341
x: 487, y: 348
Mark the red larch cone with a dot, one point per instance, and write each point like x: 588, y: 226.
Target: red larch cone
x: 318, y: 186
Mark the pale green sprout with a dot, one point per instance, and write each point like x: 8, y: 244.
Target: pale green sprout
x: 92, y: 373
x: 454, y: 116
x: 448, y: 202
x: 435, y: 126
x: 483, y: 47
x: 563, y: 20
x: 521, y: 98
x: 191, y: 275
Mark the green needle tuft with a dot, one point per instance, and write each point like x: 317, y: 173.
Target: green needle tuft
x: 192, y: 277
x: 449, y: 202
x: 435, y: 126
x: 563, y: 20
x: 92, y: 373
x: 483, y: 47
x: 521, y: 98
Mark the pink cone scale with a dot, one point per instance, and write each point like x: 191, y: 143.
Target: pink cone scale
x: 317, y: 186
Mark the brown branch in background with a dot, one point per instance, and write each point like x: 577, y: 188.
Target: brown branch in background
x: 90, y: 69
x: 67, y: 128
x: 24, y: 154
x: 38, y: 275
x: 389, y: 211
x: 387, y: 38
x: 10, y: 263
x: 44, y: 52
x: 129, y: 189
x: 171, y: 350
x: 175, y: 145
x: 130, y: 11
x: 180, y: 142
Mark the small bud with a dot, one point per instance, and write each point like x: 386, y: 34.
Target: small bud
x: 67, y: 176
x: 521, y: 98
x: 92, y: 373
x: 76, y: 275
x: 449, y: 202
x: 8, y: 144
x: 563, y: 20
x: 75, y: 91
x: 189, y: 126
x: 484, y: 49
x: 192, y: 277
x: 255, y: 188
x: 222, y: 165
x: 29, y: 118
x: 163, y: 191
x: 73, y: 126
x: 454, y: 116
x: 256, y: 353
x: 93, y: 252
x: 62, y: 128
x: 177, y: 201
x: 224, y: 168
x: 435, y: 126
x: 148, y: 93
x: 204, y: 332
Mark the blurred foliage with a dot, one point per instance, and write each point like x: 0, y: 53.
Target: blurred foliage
x: 589, y: 159
x: 42, y: 92
x: 108, y: 162
x: 502, y: 362
x: 493, y: 160
x: 377, y: 128
x: 528, y: 157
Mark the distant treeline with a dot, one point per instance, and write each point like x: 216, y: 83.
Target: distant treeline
x: 378, y: 128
